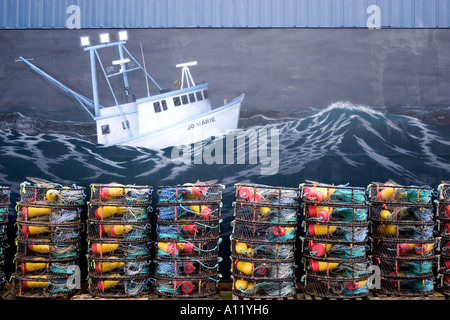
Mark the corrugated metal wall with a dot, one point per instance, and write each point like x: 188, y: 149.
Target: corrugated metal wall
x: 22, y: 14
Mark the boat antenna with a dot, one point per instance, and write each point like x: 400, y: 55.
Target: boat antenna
x: 145, y: 69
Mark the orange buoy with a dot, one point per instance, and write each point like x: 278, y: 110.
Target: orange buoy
x: 422, y: 248
x: 318, y: 266
x: 107, y: 193
x: 319, y: 249
x: 190, y: 228
x: 186, y: 247
x: 169, y: 247
x: 317, y: 194
x: 386, y: 193
x: 320, y: 212
x: 203, y: 211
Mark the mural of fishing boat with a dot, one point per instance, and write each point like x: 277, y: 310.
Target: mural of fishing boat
x: 167, y: 118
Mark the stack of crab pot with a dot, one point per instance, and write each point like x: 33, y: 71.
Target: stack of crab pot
x: 402, y: 231
x: 443, y: 220
x: 263, y: 242
x: 119, y: 255
x: 188, y: 237
x: 4, y: 204
x: 48, y: 239
x: 335, y: 241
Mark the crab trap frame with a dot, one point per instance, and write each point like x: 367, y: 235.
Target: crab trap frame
x: 119, y: 194
x: 192, y: 211
x: 326, y: 194
x: 403, y: 248
x: 188, y: 230
x: 245, y: 287
x: 262, y: 250
x: 392, y: 213
x: 111, y: 212
x: 187, y: 267
x: 42, y: 286
x: 182, y: 287
x: 390, y: 192
x: 190, y: 193
x: 188, y: 249
x: 267, y: 195
x: 51, y: 195
x: 271, y: 232
x: 336, y: 287
x: 333, y: 249
x: 273, y: 213
x: 444, y: 191
x: 125, y: 232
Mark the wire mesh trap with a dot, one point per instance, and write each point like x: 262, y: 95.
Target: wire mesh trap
x: 264, y: 289
x: 112, y: 212
x: 125, y: 232
x: 332, y: 267
x: 181, y: 287
x: 338, y: 288
x: 408, y: 230
x: 403, y: 248
x: 192, y: 211
x: 48, y: 214
x: 188, y: 230
x: 279, y: 232
x: 113, y: 248
x: 257, y: 269
x: 406, y: 268
x: 27, y: 266
x: 5, y: 195
x: 274, y: 213
x: 313, y: 247
x: 120, y: 267
x: 391, y: 192
x: 116, y: 193
x: 337, y: 231
x: 42, y: 286
x: 62, y: 250
x: 267, y: 195
x: 119, y: 287
x: 190, y: 193
x: 335, y: 213
x: 406, y: 286
x: 186, y: 249
x: 187, y: 268
x: 384, y: 212
x: 53, y: 232
x: 51, y: 195
x: 320, y: 193
x: 444, y: 191
x: 262, y: 250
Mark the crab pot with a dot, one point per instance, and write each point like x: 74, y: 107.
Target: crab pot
x: 273, y: 232
x: 113, y: 248
x: 274, y: 213
x: 264, y: 289
x: 398, y: 248
x: 29, y: 266
x: 397, y: 194
x: 325, y: 194
x: 403, y: 267
x: 3, y: 231
x: 339, y: 288
x: 342, y: 231
x: 5, y: 194
x: 139, y: 266
x: 115, y: 193
x: 42, y: 248
x: 333, y: 249
x: 169, y: 250
x: 444, y: 191
x: 48, y: 214
x: 43, y: 286
x: 190, y: 193
x: 407, y: 230
x: 344, y: 268
x: 267, y: 195
x: 2, y: 271
x: 114, y: 212
x: 51, y: 195
x: 257, y: 269
x: 188, y: 230
x: 314, y: 213
x: 125, y: 232
x: 181, y: 287
x: 192, y: 211
x: 115, y: 286
x: 53, y: 232
x: 187, y: 267
x: 406, y: 285
x: 394, y: 213
x: 261, y: 250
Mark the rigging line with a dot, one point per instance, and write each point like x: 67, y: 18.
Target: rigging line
x: 145, y: 69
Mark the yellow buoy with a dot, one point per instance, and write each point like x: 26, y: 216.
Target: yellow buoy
x: 116, y: 230
x: 317, y: 194
x: 39, y: 283
x: 385, y: 214
x: 107, y: 284
x: 107, y: 211
x: 32, y: 212
x: 244, y: 267
x: 52, y: 195
x: 33, y: 266
x: 113, y: 191
x: 101, y: 267
x: 387, y: 229
x: 33, y: 230
x: 98, y: 248
x: 193, y: 191
x: 202, y: 211
x: 241, y: 284
x: 241, y: 248
x: 386, y: 193
x: 320, y: 229
x: 169, y: 247
x: 41, y: 248
x: 317, y: 266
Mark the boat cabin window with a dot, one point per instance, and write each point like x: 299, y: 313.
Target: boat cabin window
x: 160, y: 106
x: 105, y: 129
x: 164, y: 105
x: 176, y: 101
x: 184, y: 99
x: 205, y: 94
x: 191, y: 97
x: 199, y: 96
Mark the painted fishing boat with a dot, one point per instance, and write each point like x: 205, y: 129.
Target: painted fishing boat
x: 167, y: 118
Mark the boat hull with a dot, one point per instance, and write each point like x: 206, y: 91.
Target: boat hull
x: 216, y: 122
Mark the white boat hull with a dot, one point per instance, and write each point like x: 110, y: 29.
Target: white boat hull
x: 216, y: 122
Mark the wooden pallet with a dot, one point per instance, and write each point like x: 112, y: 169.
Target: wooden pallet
x: 236, y: 297
x: 381, y: 296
